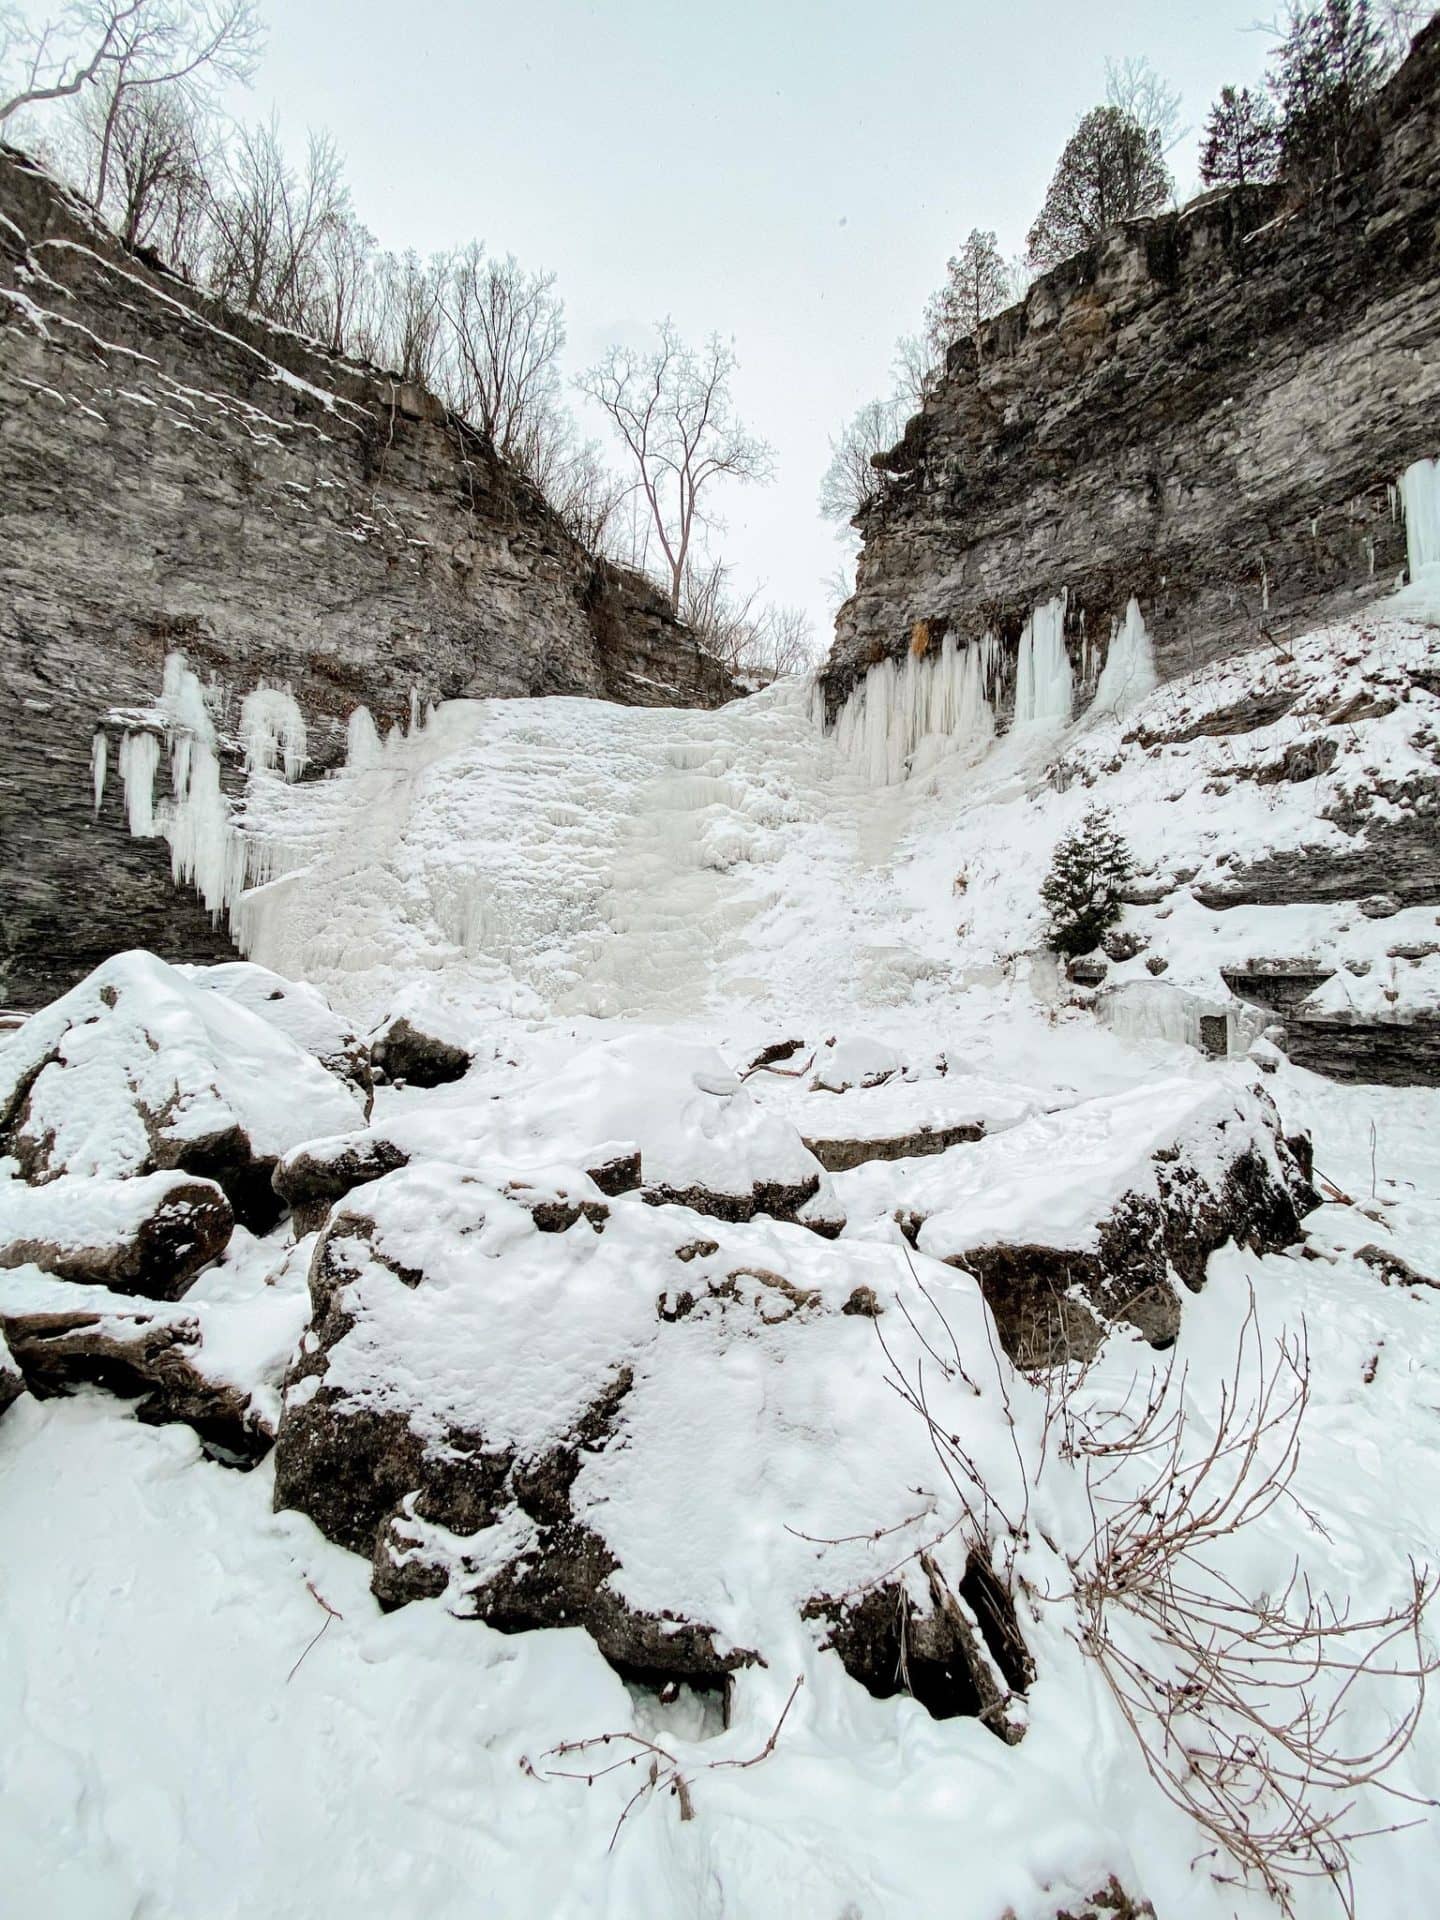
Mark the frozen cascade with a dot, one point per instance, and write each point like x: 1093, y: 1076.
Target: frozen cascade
x: 1129, y: 670
x: 272, y: 729
x: 99, y: 756
x: 1044, y: 683
x: 1420, y: 495
x: 941, y: 697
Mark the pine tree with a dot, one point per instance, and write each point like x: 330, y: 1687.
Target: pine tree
x: 1241, y: 143
x: 1082, y: 889
x: 1326, y: 71
x: 1112, y: 169
x: 977, y: 285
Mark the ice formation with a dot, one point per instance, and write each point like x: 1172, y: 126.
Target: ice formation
x: 1129, y: 670
x: 272, y: 729
x: 362, y: 741
x: 1420, y: 494
x: 139, y: 760
x: 99, y: 756
x: 944, y: 696
x: 1044, y: 683
x: 206, y: 850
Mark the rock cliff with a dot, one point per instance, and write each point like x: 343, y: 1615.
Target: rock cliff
x: 1207, y: 411
x: 177, y: 478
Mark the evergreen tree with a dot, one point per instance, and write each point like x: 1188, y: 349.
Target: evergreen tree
x: 1082, y: 889
x: 1325, y: 73
x: 977, y: 285
x: 1112, y: 169
x: 1241, y: 143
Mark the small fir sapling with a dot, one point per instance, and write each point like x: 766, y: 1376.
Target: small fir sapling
x: 1082, y: 889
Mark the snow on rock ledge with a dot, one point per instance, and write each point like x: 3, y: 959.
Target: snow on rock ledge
x: 139, y: 1070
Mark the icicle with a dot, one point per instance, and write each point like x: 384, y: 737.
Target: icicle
x: 272, y: 728
x: 1044, y: 683
x: 99, y: 754
x: 1129, y: 670
x: 1420, y: 500
x: 139, y: 764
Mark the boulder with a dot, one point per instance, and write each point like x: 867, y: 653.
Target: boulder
x: 153, y: 1357
x: 673, y: 1107
x: 609, y: 1422
x: 302, y: 1013
x: 1106, y: 1212
x: 140, y: 1070
x: 148, y: 1235
x: 404, y: 1050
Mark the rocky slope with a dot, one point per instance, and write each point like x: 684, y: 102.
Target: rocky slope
x: 178, y: 478
x: 1207, y: 411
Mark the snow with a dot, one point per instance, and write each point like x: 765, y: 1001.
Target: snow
x: 614, y: 910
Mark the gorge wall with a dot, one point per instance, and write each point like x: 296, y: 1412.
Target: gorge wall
x: 1207, y: 411
x: 178, y: 478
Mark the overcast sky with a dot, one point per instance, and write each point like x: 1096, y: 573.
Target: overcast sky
x: 793, y: 174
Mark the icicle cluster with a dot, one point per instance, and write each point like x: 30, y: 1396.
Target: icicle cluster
x: 272, y: 731
x: 946, y: 695
x: 1044, y: 683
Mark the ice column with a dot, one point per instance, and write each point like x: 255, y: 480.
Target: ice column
x: 1420, y: 495
x: 1129, y: 670
x: 1044, y: 683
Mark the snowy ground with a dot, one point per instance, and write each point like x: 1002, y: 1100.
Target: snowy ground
x: 608, y: 906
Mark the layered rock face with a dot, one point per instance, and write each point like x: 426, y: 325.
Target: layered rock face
x: 177, y: 478
x: 1206, y: 411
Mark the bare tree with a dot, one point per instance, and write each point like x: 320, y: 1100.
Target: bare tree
x: 269, y: 223
x: 172, y: 43
x: 507, y: 329
x: 56, y: 58
x: 1143, y: 96
x: 160, y: 149
x: 915, y: 369
x: 1399, y: 21
x: 751, y: 640
x: 851, y: 482
x: 671, y: 407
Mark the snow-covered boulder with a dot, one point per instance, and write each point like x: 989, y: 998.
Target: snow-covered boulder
x: 631, y: 1423
x: 1101, y: 1213
x: 149, y: 1235
x: 299, y: 1010
x: 214, y: 1361
x: 139, y: 1069
x: 855, y: 1060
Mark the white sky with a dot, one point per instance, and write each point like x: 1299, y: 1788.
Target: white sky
x: 793, y: 174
